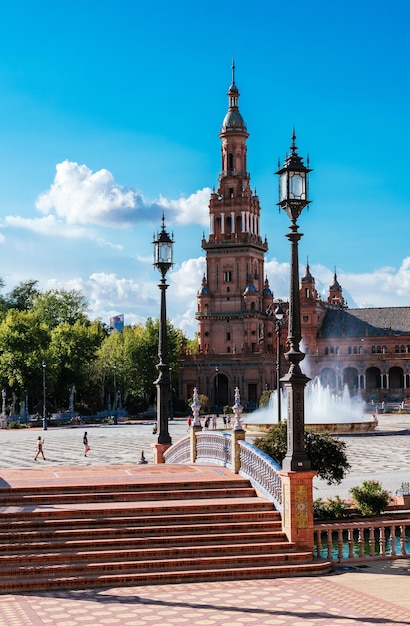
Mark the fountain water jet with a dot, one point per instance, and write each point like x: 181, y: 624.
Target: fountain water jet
x: 325, y: 411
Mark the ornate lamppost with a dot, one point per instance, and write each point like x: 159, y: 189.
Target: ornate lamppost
x: 163, y: 261
x: 44, y: 365
x: 293, y: 197
x: 217, y: 391
x: 279, y: 314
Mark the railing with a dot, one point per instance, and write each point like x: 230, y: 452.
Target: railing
x: 262, y: 472
x: 337, y: 541
x: 179, y: 453
x: 351, y: 541
x: 214, y: 448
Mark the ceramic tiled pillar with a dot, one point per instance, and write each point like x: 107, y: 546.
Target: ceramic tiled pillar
x: 297, y: 507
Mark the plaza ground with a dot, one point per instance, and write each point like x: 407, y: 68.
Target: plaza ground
x: 375, y: 593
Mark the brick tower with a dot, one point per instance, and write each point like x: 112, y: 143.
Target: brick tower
x: 234, y: 331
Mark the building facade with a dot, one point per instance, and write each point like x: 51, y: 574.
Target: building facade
x: 238, y: 336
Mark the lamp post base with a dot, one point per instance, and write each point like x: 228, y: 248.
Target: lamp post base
x: 159, y: 449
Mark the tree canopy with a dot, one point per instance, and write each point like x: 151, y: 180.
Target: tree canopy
x: 53, y: 327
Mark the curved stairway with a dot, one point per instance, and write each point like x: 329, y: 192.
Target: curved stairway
x: 94, y: 535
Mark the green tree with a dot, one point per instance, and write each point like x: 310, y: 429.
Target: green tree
x: 134, y: 351
x: 326, y: 454
x: 56, y: 306
x: 23, y: 296
x: 72, y: 350
x: 24, y: 343
x: 3, y: 301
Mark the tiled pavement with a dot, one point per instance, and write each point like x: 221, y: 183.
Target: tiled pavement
x: 376, y: 594
x: 284, y: 602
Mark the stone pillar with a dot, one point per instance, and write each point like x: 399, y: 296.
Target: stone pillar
x: 237, y: 435
x: 159, y: 449
x: 297, y: 507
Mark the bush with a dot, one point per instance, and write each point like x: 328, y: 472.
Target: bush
x: 330, y: 509
x: 370, y: 498
x: 326, y: 454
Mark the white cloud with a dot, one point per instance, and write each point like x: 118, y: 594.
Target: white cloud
x: 191, y: 210
x: 51, y: 227
x: 385, y: 286
x: 80, y: 196
x: 184, y: 285
x: 48, y: 225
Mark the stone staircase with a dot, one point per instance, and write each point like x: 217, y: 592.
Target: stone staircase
x: 142, y: 533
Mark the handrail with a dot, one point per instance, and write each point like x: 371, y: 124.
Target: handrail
x: 214, y: 448
x: 361, y: 540
x: 178, y: 453
x: 262, y: 472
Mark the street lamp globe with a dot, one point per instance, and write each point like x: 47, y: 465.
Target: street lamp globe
x: 163, y: 250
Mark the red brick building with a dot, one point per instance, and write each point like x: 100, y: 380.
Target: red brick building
x: 366, y: 349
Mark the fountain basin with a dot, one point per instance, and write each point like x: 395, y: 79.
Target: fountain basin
x: 336, y: 428
x: 325, y: 411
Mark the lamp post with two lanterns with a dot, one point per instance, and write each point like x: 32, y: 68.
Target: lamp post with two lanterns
x: 163, y: 261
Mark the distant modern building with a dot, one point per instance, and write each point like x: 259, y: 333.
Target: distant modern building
x: 117, y: 323
x: 366, y: 349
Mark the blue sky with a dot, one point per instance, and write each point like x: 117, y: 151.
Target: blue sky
x: 110, y: 114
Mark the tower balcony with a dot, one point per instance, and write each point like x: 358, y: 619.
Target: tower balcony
x: 228, y: 173
x: 234, y: 239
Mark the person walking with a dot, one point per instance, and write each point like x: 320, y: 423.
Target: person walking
x: 85, y: 442
x: 40, y: 443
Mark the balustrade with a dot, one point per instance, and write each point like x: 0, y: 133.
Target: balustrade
x: 178, y: 453
x: 349, y: 541
x: 262, y: 472
x: 214, y: 447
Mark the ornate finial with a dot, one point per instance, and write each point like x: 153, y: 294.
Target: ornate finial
x: 307, y: 265
x: 163, y: 221
x: 233, y: 71
x: 308, y: 160
x: 293, y: 147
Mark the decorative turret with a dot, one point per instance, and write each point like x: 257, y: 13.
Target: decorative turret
x: 308, y: 290
x: 336, y: 293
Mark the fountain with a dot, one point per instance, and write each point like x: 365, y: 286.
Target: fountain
x: 325, y: 411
